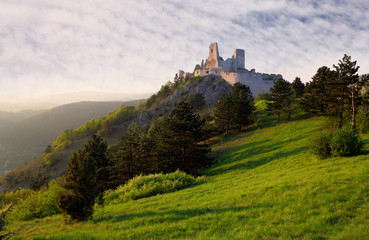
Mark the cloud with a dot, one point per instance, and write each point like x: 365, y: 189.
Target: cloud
x: 135, y: 46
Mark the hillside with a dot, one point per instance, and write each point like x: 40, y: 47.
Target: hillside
x: 27, y: 139
x: 265, y: 185
x: 210, y: 87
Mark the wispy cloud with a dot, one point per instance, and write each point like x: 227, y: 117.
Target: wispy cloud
x: 136, y: 46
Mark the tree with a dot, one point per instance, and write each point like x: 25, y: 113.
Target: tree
x: 134, y: 155
x: 37, y: 182
x: 316, y: 96
x: 242, y: 105
x: 80, y: 187
x: 179, y: 141
x: 235, y: 108
x: 98, y: 150
x: 223, y: 112
x: 87, y: 176
x: 344, y: 90
x: 363, y: 112
x: 282, y: 96
x: 298, y: 86
x: 197, y: 101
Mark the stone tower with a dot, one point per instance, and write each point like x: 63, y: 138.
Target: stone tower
x: 239, y: 55
x: 213, y: 59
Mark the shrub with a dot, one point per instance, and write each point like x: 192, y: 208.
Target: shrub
x: 346, y: 143
x: 320, y: 145
x: 263, y: 96
x: 14, y: 196
x: 342, y: 142
x: 53, y: 158
x: 38, y: 204
x: 147, y: 186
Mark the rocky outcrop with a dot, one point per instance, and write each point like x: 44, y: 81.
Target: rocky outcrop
x: 211, y: 87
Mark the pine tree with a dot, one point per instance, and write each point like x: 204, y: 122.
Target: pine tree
x: 98, y: 150
x: 282, y: 96
x: 134, y: 155
x: 344, y: 90
x: 197, y: 101
x: 179, y: 143
x: 87, y: 176
x: 80, y: 187
x: 316, y: 96
x: 223, y: 112
x: 298, y: 86
x: 242, y: 108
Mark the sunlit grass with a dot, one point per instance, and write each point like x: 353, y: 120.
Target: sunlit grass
x: 265, y: 185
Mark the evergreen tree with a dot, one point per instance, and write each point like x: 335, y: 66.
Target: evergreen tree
x: 80, y: 187
x: 282, y: 96
x: 223, y: 112
x: 344, y: 90
x: 179, y: 139
x: 197, y: 101
x: 316, y: 96
x: 134, y: 156
x: 242, y: 105
x: 363, y: 112
x: 98, y: 150
x: 298, y: 86
x: 87, y: 176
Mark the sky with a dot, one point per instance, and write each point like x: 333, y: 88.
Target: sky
x: 52, y: 47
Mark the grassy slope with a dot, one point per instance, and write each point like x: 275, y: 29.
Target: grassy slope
x: 265, y: 185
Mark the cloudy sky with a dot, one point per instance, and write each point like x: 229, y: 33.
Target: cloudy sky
x: 50, y: 47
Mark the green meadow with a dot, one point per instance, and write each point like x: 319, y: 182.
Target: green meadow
x: 265, y: 184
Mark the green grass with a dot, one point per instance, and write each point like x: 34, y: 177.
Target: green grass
x: 265, y: 185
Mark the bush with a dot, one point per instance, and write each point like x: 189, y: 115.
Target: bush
x: 53, y: 158
x: 38, y: 204
x: 263, y: 96
x: 346, y: 143
x: 72, y: 206
x: 147, y: 186
x: 14, y: 196
x: 342, y: 142
x: 320, y: 145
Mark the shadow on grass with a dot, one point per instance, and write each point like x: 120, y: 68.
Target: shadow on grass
x: 156, y: 217
x: 256, y: 163
x: 174, y: 215
x: 250, y: 155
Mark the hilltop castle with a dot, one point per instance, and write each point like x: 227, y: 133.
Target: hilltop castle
x: 233, y: 70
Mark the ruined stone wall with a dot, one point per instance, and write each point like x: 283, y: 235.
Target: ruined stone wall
x: 207, y: 71
x: 258, y: 82
x: 229, y: 65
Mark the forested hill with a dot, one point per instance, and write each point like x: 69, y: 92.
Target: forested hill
x: 24, y: 140
x: 202, y: 93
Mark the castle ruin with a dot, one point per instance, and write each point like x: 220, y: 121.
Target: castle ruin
x: 233, y: 70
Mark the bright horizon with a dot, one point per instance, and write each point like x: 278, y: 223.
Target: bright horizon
x: 51, y: 48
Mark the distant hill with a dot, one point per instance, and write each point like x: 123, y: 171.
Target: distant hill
x: 8, y: 118
x: 157, y: 106
x: 22, y: 141
x: 11, y: 103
